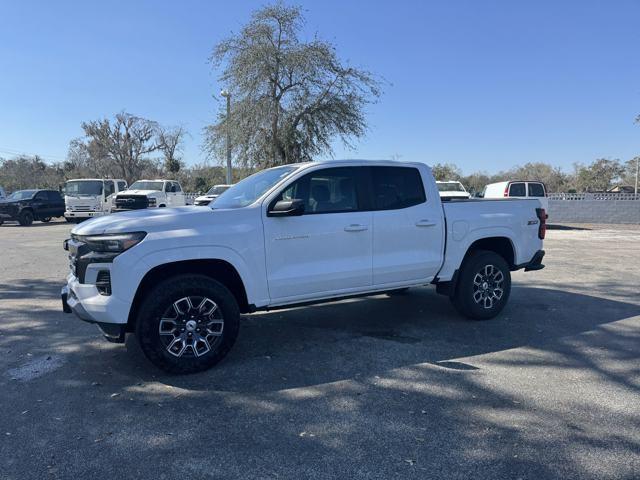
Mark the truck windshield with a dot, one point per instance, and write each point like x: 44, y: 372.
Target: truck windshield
x: 83, y: 187
x: 218, y: 189
x: 450, y: 187
x: 21, y: 195
x: 251, y: 188
x: 146, y: 185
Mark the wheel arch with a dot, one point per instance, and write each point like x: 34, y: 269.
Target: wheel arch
x: 498, y: 244
x: 503, y: 246
x: 216, y: 269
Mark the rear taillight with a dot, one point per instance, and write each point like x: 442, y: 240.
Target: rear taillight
x: 506, y: 190
x: 542, y: 226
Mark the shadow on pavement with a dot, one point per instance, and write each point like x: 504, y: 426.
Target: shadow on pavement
x: 383, y: 387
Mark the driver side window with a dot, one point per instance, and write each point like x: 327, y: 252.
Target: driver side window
x: 332, y: 190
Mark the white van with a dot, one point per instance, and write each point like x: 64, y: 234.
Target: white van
x: 518, y: 189
x: 90, y: 197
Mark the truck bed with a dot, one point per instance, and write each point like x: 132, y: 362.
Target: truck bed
x: 468, y: 220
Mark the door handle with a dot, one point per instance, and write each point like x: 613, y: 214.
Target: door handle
x: 425, y: 223
x: 354, y: 227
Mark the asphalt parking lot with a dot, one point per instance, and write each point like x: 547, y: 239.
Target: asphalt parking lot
x: 382, y: 387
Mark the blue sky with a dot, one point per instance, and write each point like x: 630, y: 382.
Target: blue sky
x: 483, y: 84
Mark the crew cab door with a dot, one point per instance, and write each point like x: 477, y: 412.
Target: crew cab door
x: 325, y: 250
x: 41, y: 205
x: 408, y: 235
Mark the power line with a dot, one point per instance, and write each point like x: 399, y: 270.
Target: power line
x: 11, y: 151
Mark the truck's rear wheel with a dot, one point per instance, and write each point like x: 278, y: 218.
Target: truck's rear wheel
x: 484, y: 285
x: 187, y: 324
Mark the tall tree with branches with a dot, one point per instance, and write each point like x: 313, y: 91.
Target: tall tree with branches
x: 126, y: 141
x: 170, y: 142
x: 290, y: 98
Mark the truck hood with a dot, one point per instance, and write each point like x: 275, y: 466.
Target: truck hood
x: 145, y: 220
x: 139, y: 192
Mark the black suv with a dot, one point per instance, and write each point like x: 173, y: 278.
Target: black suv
x: 25, y: 206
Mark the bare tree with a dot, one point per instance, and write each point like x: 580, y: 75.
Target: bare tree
x: 290, y: 98
x: 126, y: 142
x: 170, y: 142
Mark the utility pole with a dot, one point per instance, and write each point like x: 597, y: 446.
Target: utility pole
x: 226, y: 94
x: 637, y: 167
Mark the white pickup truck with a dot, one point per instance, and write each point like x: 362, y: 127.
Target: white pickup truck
x: 304, y: 233
x: 149, y: 194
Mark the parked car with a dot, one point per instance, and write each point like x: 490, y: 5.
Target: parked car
x: 25, y: 206
x: 90, y: 197
x: 452, y: 189
x: 149, y: 194
x: 518, y: 189
x: 213, y: 193
x: 289, y: 235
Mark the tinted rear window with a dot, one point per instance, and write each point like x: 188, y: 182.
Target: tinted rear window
x: 536, y: 190
x: 517, y: 190
x: 397, y: 187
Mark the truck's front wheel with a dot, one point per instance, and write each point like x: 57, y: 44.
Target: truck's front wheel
x: 187, y: 323
x: 483, y: 286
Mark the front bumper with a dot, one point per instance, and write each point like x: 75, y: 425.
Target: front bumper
x: 71, y: 214
x: 108, y: 312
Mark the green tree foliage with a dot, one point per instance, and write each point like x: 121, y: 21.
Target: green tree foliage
x: 599, y: 176
x: 290, y: 98
x: 24, y: 172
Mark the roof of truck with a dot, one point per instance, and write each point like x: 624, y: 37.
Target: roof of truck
x: 389, y: 163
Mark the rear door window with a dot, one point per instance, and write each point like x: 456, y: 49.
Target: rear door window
x: 517, y: 189
x: 397, y: 187
x: 536, y: 190
x: 54, y: 196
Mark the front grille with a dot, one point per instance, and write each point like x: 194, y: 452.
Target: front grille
x: 131, y: 202
x: 81, y: 208
x: 103, y: 282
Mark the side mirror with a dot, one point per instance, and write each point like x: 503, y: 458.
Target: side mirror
x: 287, y: 208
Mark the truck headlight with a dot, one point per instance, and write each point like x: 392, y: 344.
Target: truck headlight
x: 112, y: 242
x: 152, y: 202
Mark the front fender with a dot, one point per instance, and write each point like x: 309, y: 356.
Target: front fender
x: 133, y: 270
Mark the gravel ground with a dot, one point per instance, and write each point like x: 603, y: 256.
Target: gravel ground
x: 380, y: 387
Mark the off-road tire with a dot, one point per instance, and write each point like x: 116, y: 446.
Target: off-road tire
x: 161, y: 298
x: 465, y: 298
